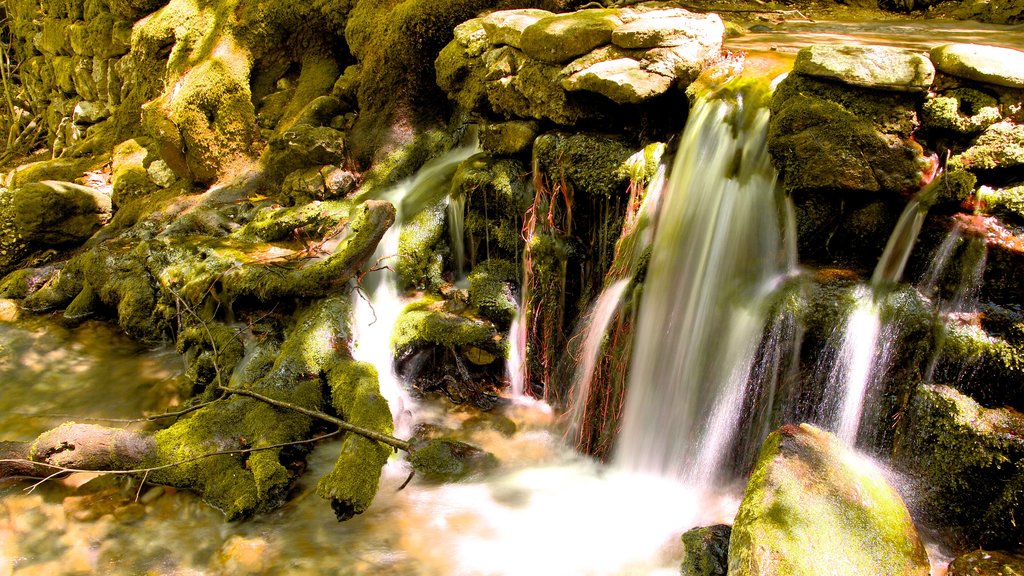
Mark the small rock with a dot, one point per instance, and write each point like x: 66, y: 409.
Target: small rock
x: 161, y: 174
x: 242, y: 555
x: 562, y: 37
x: 89, y: 112
x: 9, y: 310
x: 507, y: 26
x: 992, y: 64
x: 1001, y: 145
x: 510, y: 137
x: 445, y: 460
x: 130, y: 513
x: 707, y: 551
x: 878, y: 67
x: 622, y: 80
x: 337, y: 181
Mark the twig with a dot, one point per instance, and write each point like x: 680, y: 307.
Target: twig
x: 365, y: 432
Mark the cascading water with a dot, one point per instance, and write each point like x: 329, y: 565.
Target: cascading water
x: 718, y: 250
x: 865, y: 342
x: 376, y: 311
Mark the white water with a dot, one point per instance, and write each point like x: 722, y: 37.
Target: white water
x: 599, y: 317
x: 456, y: 231
x: 718, y: 246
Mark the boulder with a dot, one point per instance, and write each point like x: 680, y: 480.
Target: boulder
x: 987, y: 563
x: 991, y: 64
x: 667, y: 28
x: 55, y: 213
x: 707, y: 551
x: 505, y: 27
x: 971, y: 461
x: 1001, y: 145
x: 813, y: 506
x: 622, y: 80
x: 562, y: 37
x: 877, y: 67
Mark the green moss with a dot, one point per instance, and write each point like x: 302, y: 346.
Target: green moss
x: 446, y: 460
x: 309, y: 221
x: 962, y: 110
x: 591, y: 164
x: 491, y: 286
x: 422, y: 247
x: 1001, y: 145
x: 426, y: 322
x: 1007, y: 202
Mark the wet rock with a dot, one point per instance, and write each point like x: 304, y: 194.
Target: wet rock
x: 446, y: 460
x: 591, y: 163
x: 987, y: 563
x: 813, y: 503
x: 707, y: 551
x: 562, y: 37
x: 877, y: 67
x: 505, y: 27
x: 962, y: 110
x: 992, y: 64
x: 427, y: 322
x: 90, y: 112
x: 521, y: 87
x: 54, y: 213
x: 246, y: 555
x: 491, y: 290
x: 971, y: 459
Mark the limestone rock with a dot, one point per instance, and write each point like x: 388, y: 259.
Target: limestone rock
x: 90, y: 112
x: 129, y: 176
x: 622, y: 80
x: 507, y: 26
x: 521, y: 87
x: 667, y: 28
x: 53, y: 212
x: 562, y: 37
x: 971, y: 459
x: 509, y: 137
x: 992, y: 64
x: 877, y: 67
x: 814, y: 506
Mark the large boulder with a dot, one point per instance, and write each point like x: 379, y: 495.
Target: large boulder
x: 812, y: 506
x: 52, y: 213
x: 971, y: 460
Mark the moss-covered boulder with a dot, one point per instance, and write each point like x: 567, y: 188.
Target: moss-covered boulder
x: 971, y: 460
x: 962, y: 110
x: 447, y: 460
x: 812, y: 503
x: 828, y: 136
x: 707, y: 551
x: 999, y: 147
x: 990, y: 64
x: 432, y: 322
x: 54, y: 213
x: 562, y: 37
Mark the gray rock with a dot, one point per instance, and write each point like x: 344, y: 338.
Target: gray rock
x: 622, y: 80
x: 877, y: 67
x: 337, y: 181
x: 654, y: 29
x: 505, y: 27
x: 992, y: 64
x: 814, y: 507
x: 562, y: 37
x: 472, y: 37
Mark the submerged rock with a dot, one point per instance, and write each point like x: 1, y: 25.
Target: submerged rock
x: 812, y: 505
x: 878, y: 67
x: 992, y: 64
x: 971, y: 459
x: 446, y: 460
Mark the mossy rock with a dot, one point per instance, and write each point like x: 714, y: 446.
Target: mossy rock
x: 422, y: 248
x: 971, y: 460
x: 51, y: 212
x: 491, y: 290
x: 811, y: 502
x: 427, y: 322
x: 707, y: 551
x: 999, y: 147
x: 446, y: 460
x: 987, y: 563
x: 961, y: 110
x: 592, y: 164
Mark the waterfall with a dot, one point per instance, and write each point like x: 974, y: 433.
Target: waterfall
x: 866, y: 342
x: 456, y: 232
x: 515, y: 367
x: 378, y: 304
x: 719, y: 249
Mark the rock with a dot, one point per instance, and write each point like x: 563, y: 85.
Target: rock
x: 161, y: 174
x: 592, y: 164
x: 510, y: 137
x: 562, y: 37
x: 9, y: 310
x: 337, y: 181
x: 520, y: 87
x: 971, y: 460
x: 668, y: 28
x: 707, y: 551
x: 825, y: 136
x: 129, y: 175
x: 1001, y: 145
x: 505, y: 27
x: 877, y: 67
x: 246, y: 555
x: 987, y: 563
x: 89, y: 112
x: 303, y: 146
x: 53, y: 213
x: 992, y: 64
x: 446, y: 460
x: 962, y: 110
x: 622, y: 80
x: 812, y: 506
x: 426, y: 322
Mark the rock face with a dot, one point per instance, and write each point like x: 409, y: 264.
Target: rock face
x: 991, y: 64
x: 536, y: 65
x: 812, y: 503
x: 879, y: 67
x: 971, y: 459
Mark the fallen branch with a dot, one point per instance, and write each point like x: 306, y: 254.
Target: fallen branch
x: 364, y: 432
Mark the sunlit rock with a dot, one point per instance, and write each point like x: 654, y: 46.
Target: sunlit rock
x: 971, y: 459
x: 1001, y: 145
x: 667, y: 28
x: 812, y: 503
x: 707, y: 551
x: 505, y: 27
x: 963, y: 110
x: 992, y: 64
x: 878, y: 67
x: 53, y: 212
x: 562, y: 37
x: 623, y: 80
